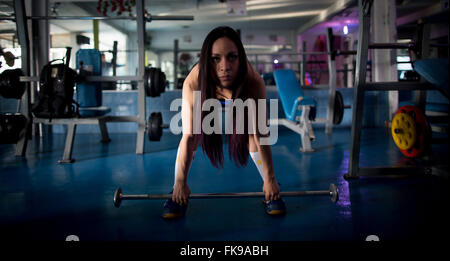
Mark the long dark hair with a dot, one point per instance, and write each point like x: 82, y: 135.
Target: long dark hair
x: 207, y: 81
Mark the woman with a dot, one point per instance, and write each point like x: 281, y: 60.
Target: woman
x: 223, y: 72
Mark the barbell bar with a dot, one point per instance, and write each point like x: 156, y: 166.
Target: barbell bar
x: 336, y: 52
x: 148, y: 18
x: 131, y: 78
x: 152, y: 17
x: 333, y: 192
x: 409, y: 45
x: 154, y: 85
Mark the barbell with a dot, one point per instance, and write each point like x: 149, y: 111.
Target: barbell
x: 332, y: 192
x: 155, y: 123
x: 154, y: 81
x: 338, y: 111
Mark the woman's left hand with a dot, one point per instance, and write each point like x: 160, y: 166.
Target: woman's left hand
x: 271, y: 189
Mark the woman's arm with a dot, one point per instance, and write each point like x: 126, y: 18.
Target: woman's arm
x: 188, y: 141
x: 257, y: 90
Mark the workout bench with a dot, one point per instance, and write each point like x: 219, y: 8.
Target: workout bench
x: 72, y: 123
x: 297, y: 107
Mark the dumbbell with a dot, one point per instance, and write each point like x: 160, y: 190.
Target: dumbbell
x: 155, y: 126
x: 332, y: 192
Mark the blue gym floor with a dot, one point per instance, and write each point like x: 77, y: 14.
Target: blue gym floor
x: 42, y: 200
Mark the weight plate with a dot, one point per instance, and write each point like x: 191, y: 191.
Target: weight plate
x: 150, y: 82
x: 156, y: 82
x: 154, y: 126
x: 423, y: 131
x: 12, y: 128
x: 334, y: 193
x: 117, y: 199
x: 404, y: 131
x: 162, y: 79
x: 10, y: 84
x: 147, y: 81
x: 338, y: 108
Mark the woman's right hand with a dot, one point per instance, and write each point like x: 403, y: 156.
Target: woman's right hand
x: 181, y: 193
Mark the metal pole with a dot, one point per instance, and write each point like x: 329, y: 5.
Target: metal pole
x: 331, y: 81
x: 293, y: 53
x: 132, y: 78
x: 175, y: 62
x: 40, y: 46
x: 68, y: 148
x: 149, y: 18
x: 40, y: 33
x: 391, y: 46
x: 423, y: 35
x: 140, y: 20
x: 364, y: 7
x: 384, y: 29
x: 95, y: 33
x: 303, y: 65
x: 114, y: 58
x: 22, y: 32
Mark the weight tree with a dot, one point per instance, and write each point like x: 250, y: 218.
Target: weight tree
x: 361, y: 86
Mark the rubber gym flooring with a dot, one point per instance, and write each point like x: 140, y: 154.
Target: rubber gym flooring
x: 42, y: 200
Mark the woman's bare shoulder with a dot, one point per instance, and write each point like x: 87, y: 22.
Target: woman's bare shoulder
x: 191, y: 81
x: 256, y: 84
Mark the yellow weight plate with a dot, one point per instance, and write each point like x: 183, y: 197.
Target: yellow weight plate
x: 404, y: 131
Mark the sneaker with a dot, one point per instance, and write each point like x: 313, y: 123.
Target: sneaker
x: 275, y: 207
x: 173, y: 210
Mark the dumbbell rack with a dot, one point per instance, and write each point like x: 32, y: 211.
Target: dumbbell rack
x: 22, y: 32
x: 361, y: 86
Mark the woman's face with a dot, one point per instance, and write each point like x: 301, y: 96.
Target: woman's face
x: 225, y: 58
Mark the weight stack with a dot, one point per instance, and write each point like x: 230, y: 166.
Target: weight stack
x: 89, y: 94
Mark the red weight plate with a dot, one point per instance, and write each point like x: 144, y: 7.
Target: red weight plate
x: 422, y: 129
